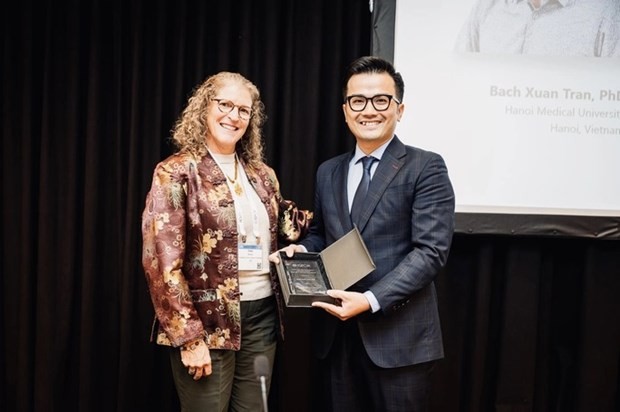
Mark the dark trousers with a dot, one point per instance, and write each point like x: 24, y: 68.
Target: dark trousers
x: 352, y: 382
x: 233, y: 385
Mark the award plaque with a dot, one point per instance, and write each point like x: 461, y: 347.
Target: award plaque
x: 306, y: 277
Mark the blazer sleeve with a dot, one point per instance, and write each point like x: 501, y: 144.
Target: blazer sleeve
x: 163, y: 253
x: 432, y: 227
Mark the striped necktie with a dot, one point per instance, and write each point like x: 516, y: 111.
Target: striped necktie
x: 362, y: 189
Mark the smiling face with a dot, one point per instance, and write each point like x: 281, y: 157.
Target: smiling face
x: 224, y: 130
x: 370, y: 127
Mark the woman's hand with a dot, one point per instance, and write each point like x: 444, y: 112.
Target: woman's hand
x: 195, y: 355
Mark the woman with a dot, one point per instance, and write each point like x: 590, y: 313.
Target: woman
x: 213, y: 215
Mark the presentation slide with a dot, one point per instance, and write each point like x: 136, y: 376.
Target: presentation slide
x: 521, y: 98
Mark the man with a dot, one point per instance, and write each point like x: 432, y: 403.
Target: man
x: 377, y: 348
x: 589, y: 28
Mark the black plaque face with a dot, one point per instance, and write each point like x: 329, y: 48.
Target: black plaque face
x: 306, y: 277
x: 305, y: 274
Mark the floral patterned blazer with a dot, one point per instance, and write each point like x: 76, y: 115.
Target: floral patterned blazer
x: 190, y: 243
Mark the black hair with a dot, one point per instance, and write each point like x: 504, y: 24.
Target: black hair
x: 373, y: 64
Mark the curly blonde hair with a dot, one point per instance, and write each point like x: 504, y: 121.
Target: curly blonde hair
x: 190, y: 130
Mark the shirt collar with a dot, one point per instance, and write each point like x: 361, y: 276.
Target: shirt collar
x: 377, y: 153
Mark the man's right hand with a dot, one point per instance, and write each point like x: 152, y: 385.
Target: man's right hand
x: 290, y: 250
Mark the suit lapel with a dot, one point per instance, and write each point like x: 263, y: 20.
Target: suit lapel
x: 391, y: 163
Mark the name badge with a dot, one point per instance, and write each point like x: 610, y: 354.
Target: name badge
x: 250, y: 257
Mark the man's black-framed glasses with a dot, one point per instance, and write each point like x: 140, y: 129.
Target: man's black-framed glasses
x: 226, y: 106
x: 380, y: 102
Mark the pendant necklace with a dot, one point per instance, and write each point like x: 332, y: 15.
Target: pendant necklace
x: 235, y: 182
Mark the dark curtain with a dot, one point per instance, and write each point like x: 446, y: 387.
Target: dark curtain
x: 90, y: 90
x: 530, y: 324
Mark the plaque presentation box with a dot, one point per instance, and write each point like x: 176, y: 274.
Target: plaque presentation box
x: 305, y: 277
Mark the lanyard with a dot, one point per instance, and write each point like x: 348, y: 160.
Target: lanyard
x: 240, y: 215
x: 232, y: 185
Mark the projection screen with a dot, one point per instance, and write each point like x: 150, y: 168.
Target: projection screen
x: 522, y: 102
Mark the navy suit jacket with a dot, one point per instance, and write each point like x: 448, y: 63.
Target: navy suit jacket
x: 407, y: 224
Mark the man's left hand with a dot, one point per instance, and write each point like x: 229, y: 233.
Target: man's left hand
x: 351, y: 304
